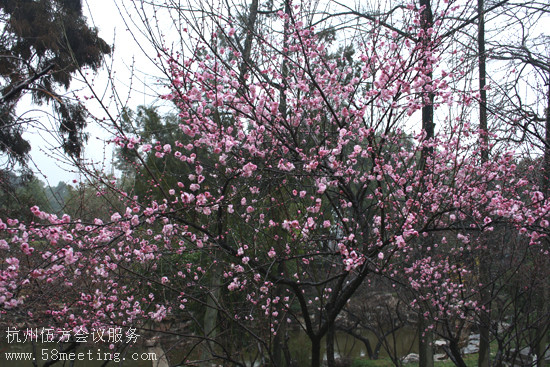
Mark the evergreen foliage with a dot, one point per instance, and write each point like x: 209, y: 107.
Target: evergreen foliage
x: 43, y: 44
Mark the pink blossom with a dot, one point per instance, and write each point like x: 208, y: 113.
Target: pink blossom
x: 248, y: 169
x: 4, y: 245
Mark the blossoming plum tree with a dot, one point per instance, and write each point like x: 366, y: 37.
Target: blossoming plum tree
x: 302, y: 184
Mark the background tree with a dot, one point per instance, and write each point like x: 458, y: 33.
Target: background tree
x: 43, y: 45
x: 19, y: 193
x: 519, y: 103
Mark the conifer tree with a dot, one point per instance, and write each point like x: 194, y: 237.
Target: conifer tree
x: 43, y: 45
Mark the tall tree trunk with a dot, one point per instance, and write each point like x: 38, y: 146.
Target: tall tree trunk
x: 211, y: 313
x: 482, y: 82
x: 428, y: 108
x: 546, y: 169
x: 211, y: 317
x: 425, y: 340
x: 247, y: 47
x: 485, y: 316
x: 542, y: 329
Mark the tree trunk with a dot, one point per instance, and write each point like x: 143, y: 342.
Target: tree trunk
x: 453, y: 351
x: 484, y: 326
x: 541, y: 339
x: 247, y: 48
x: 315, y: 351
x: 277, y: 352
x: 485, y: 316
x: 330, y: 346
x: 425, y: 347
x: 542, y: 329
x: 278, y: 347
x: 428, y: 97
x: 482, y: 82
x: 425, y: 344
x: 211, y: 317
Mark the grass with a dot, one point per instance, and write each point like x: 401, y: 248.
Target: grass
x: 382, y: 362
